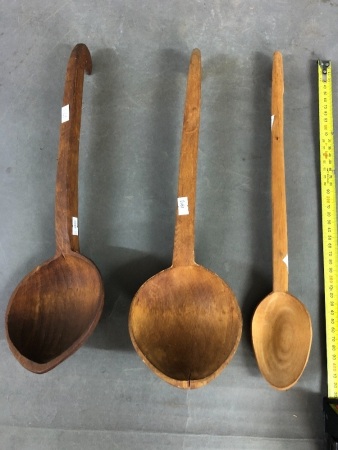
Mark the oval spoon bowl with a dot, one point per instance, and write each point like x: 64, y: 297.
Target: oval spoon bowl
x: 281, y: 326
x: 44, y: 322
x: 281, y: 330
x: 57, y: 305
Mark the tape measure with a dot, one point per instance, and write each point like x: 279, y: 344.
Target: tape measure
x: 329, y: 222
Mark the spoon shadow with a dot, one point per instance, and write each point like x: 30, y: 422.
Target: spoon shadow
x: 42, y: 192
x: 124, y: 270
x: 260, y: 284
x: 222, y: 137
x: 259, y: 288
x: 129, y: 269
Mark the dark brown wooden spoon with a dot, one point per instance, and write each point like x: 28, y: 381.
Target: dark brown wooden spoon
x: 57, y: 306
x: 185, y: 322
x: 281, y: 326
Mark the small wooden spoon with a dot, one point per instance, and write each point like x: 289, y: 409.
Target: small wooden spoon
x: 57, y: 306
x: 185, y: 322
x: 281, y: 326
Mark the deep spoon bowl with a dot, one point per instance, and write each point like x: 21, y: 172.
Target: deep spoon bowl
x: 185, y: 322
x: 52, y: 309
x: 57, y: 306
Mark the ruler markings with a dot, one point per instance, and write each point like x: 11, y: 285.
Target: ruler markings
x: 329, y: 222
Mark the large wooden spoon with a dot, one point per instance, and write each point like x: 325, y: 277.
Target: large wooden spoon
x: 57, y: 306
x: 185, y: 322
x: 281, y: 326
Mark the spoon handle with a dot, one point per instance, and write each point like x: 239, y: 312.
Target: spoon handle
x: 279, y: 220
x: 184, y: 242
x: 66, y: 196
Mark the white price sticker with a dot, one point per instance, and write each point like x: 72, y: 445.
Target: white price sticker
x: 286, y: 261
x: 183, y: 207
x: 75, y: 226
x: 65, y: 113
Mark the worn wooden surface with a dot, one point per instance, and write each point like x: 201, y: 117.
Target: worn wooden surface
x: 279, y: 216
x: 185, y: 322
x: 184, y: 243
x: 131, y: 127
x: 66, y: 204
x: 282, y: 336
x: 57, y: 306
x: 281, y: 327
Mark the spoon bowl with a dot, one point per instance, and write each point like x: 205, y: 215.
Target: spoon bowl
x: 281, y: 326
x: 185, y: 324
x: 57, y: 306
x: 281, y: 330
x: 52, y: 309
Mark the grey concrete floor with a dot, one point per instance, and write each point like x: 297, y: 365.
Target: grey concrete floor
x: 104, y: 397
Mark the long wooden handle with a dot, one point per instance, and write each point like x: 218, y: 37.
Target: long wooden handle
x: 279, y: 219
x: 66, y: 196
x: 184, y: 243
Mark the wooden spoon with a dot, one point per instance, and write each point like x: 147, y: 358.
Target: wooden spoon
x: 281, y: 326
x: 185, y: 322
x: 57, y: 306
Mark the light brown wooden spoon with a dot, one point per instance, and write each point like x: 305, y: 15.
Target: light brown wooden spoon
x: 185, y: 322
x: 281, y: 326
x: 57, y: 306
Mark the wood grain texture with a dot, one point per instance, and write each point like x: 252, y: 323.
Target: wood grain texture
x: 186, y: 325
x: 282, y: 335
x: 184, y: 243
x: 185, y: 322
x: 279, y: 217
x: 66, y: 205
x: 281, y: 326
x: 57, y: 306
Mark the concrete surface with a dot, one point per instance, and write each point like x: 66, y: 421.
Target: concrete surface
x: 103, y: 397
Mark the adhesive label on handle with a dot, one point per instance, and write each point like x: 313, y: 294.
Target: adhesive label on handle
x: 183, y: 207
x: 75, y: 226
x: 286, y: 261
x: 65, y: 113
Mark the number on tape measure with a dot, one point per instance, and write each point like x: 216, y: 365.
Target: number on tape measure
x: 329, y: 221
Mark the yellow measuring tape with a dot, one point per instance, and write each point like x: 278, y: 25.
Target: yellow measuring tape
x: 329, y: 222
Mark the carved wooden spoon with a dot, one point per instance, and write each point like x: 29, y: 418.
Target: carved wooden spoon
x: 57, y: 306
x: 281, y: 326
x: 185, y: 322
